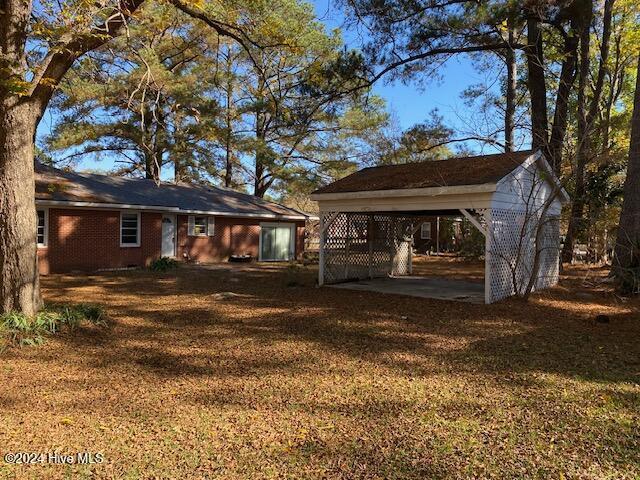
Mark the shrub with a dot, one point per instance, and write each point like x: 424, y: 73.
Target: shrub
x: 18, y: 329
x: 163, y: 264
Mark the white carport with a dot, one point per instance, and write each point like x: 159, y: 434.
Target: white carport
x: 368, y: 218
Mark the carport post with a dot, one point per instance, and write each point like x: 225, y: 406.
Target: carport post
x: 488, y: 241
x: 324, y: 225
x: 323, y: 237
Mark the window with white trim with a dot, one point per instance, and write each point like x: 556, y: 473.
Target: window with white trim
x: 130, y: 229
x: 201, y: 226
x: 43, y: 227
x: 425, y: 231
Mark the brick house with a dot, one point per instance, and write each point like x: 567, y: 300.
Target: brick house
x: 433, y: 236
x: 89, y: 222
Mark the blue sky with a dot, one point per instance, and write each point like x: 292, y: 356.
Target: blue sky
x: 409, y: 104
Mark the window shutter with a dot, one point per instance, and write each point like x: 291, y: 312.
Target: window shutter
x: 191, y: 224
x: 211, y: 226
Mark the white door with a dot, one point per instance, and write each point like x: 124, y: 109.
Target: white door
x: 168, y: 236
x: 277, y: 242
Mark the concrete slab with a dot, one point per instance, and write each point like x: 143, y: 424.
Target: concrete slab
x: 424, y: 287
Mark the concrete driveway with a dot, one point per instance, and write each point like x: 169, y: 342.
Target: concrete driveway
x: 425, y: 287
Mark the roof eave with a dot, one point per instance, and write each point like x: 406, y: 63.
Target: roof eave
x: 160, y: 208
x: 408, y: 192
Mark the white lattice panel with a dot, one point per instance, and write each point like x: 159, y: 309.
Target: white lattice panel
x: 512, y: 249
x: 359, y: 246
x: 548, y: 271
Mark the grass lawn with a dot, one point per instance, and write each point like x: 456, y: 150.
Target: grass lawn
x: 284, y: 380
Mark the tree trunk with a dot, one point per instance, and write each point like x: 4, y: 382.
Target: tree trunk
x: 19, y: 285
x: 627, y: 252
x: 228, y: 170
x: 560, y: 114
x: 512, y: 78
x: 537, y: 86
x: 576, y: 226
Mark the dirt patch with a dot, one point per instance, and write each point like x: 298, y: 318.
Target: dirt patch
x: 237, y: 372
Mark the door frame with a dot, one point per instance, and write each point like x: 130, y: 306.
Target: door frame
x: 292, y: 251
x: 175, y: 234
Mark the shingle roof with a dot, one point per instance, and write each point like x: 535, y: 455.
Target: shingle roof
x: 59, y: 185
x: 451, y: 172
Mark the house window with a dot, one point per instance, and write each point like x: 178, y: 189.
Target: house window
x: 43, y: 227
x: 129, y: 229
x: 425, y: 231
x: 201, y: 226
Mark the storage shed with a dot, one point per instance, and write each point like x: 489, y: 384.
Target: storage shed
x: 368, y: 218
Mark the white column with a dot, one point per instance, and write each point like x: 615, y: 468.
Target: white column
x: 488, y: 245
x: 321, y: 253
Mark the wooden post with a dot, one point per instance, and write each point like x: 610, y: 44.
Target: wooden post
x: 321, y: 253
x: 370, y: 237
x: 488, y: 242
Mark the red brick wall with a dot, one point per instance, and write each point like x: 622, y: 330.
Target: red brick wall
x: 89, y: 240
x: 233, y: 236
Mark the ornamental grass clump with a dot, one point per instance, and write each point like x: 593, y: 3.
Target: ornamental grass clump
x: 18, y: 329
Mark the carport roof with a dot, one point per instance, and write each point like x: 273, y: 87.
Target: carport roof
x: 478, y: 170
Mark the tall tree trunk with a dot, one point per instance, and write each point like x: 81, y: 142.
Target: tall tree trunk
x: 19, y: 281
x: 627, y: 252
x: 511, y: 90
x: 583, y: 153
x: 561, y: 111
x: 537, y: 86
x: 260, y: 167
x: 229, y: 158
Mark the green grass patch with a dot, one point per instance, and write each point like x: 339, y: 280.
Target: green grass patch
x: 18, y: 329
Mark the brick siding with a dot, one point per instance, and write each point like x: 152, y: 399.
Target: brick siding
x: 89, y: 240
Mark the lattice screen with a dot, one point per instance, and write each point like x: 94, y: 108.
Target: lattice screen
x: 511, y: 248
x: 359, y: 246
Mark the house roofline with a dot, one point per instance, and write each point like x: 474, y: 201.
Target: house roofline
x: 158, y: 208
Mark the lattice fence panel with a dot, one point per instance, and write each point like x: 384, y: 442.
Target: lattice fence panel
x: 512, y: 249
x: 548, y: 272
x: 359, y: 246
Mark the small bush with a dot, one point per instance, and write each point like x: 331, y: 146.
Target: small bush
x: 163, y: 264
x: 18, y: 329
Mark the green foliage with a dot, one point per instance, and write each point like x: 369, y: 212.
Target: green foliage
x: 261, y: 115
x: 18, y: 329
x: 472, y: 243
x: 163, y: 264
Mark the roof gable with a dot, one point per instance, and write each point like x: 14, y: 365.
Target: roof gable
x: 460, y: 171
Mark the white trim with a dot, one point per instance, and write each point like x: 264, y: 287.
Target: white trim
x: 408, y: 192
x: 488, y: 240
x: 46, y: 228
x: 292, y: 245
x: 138, y: 231
x: 157, y: 208
x: 425, y: 203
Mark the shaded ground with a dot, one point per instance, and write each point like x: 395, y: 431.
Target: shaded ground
x: 425, y: 287
x: 280, y: 379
